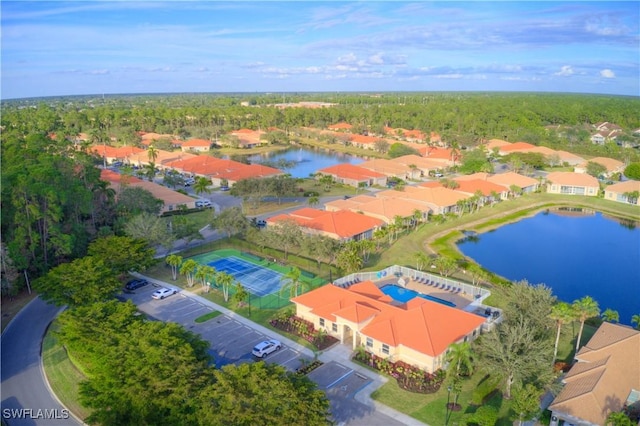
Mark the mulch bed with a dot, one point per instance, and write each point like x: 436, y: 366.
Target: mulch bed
x: 304, y: 329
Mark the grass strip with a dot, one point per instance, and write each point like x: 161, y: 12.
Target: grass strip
x: 207, y: 316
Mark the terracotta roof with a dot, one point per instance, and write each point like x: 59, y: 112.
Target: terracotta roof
x: 608, y: 369
x: 569, y: 157
x: 196, y: 143
x: 496, y: 143
x: 515, y: 147
x: 340, y: 126
x: 168, y: 196
x: 364, y: 139
x: 386, y: 167
x: 341, y: 224
x: 248, y: 171
x: 418, y: 161
x: 350, y: 171
x: 609, y: 163
x: 626, y: 186
x: 422, y: 325
x: 382, y: 208
x: 121, y: 152
x: 512, y: 178
x: 573, y: 179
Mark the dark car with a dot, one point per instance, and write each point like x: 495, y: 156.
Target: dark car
x: 135, y: 284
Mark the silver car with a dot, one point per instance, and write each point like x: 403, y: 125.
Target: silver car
x: 163, y: 292
x: 264, y: 348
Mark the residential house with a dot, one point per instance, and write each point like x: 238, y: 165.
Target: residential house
x: 515, y: 147
x: 484, y: 187
x: 506, y: 180
x: 171, y: 199
x: 612, y: 166
x: 572, y: 183
x: 340, y: 127
x: 353, y: 175
x: 605, y: 132
x: 605, y: 379
x: 418, y: 332
x: 364, y: 141
x: 392, y: 168
x: 243, y: 171
x: 196, y: 145
x: 570, y: 158
x: 624, y: 192
x: 248, y: 138
x: 111, y: 154
x: 440, y: 200
x: 424, y: 165
x: 342, y: 225
x: 385, y: 209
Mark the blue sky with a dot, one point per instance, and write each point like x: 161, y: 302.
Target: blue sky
x: 73, y: 48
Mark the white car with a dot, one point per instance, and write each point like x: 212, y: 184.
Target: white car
x: 264, y: 348
x: 163, y: 292
x: 204, y: 203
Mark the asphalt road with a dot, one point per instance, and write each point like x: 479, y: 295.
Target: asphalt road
x: 26, y: 399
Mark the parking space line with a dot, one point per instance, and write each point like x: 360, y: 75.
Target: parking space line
x: 330, y: 385
x: 290, y: 359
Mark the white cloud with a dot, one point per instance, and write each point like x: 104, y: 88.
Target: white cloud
x: 565, y: 71
x: 607, y: 73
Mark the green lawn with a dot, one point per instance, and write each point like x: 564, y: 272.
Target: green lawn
x: 208, y: 316
x: 63, y: 376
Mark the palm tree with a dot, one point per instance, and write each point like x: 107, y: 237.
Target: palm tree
x: 562, y: 313
x: 203, y: 273
x: 610, y: 315
x: 459, y: 356
x: 201, y: 185
x: 225, y: 281
x: 585, y: 308
x: 422, y: 259
x: 174, y: 261
x: 292, y: 282
x: 188, y: 269
x: 636, y: 319
x: 152, y: 152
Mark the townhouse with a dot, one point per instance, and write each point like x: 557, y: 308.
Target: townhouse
x: 356, y: 176
x: 572, y: 183
x: 627, y: 192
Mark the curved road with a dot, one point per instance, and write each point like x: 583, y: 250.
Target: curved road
x: 26, y: 399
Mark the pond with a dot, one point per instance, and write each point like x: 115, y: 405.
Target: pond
x: 301, y: 162
x: 574, y: 253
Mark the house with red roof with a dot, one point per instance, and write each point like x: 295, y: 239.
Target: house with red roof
x: 490, y: 191
x: 418, y: 332
x: 112, y: 154
x: 340, y: 127
x: 572, y: 183
x: 248, y: 138
x: 342, y: 225
x: 353, y: 175
x: 196, y: 145
x: 364, y: 141
x: 392, y: 168
x: 385, y: 209
x: 515, y: 147
x: 611, y: 165
x: 627, y: 192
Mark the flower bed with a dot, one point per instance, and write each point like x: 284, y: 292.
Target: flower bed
x: 306, y: 369
x: 303, y: 328
x: 409, y: 378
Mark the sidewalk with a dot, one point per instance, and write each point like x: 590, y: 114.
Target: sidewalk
x: 338, y: 353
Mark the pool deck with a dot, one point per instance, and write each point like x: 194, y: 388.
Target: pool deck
x: 461, y: 300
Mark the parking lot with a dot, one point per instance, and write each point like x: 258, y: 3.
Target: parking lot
x: 231, y: 341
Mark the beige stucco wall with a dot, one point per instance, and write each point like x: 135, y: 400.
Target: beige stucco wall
x: 554, y: 188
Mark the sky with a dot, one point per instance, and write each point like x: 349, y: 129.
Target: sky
x: 118, y: 47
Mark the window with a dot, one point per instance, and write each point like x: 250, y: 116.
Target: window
x: 385, y: 349
x: 321, y: 322
x: 369, y: 342
x: 334, y: 327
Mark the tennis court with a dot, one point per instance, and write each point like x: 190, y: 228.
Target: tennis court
x: 258, y: 280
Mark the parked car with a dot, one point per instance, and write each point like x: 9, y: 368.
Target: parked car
x: 135, y: 284
x: 189, y: 181
x: 163, y: 292
x: 224, y: 188
x: 204, y: 203
x: 264, y: 348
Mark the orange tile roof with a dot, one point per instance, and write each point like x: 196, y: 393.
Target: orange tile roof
x: 422, y: 325
x: 340, y: 126
x: 341, y: 224
x: 609, y: 163
x: 364, y: 139
x: 386, y: 167
x: 115, y: 177
x: 350, y: 171
x: 571, y: 178
x: 511, y: 178
x: 121, y: 152
x: 383, y: 208
x: 496, y: 143
x: 248, y: 171
x: 515, y: 147
x: 196, y: 143
x: 418, y: 161
x: 622, y: 187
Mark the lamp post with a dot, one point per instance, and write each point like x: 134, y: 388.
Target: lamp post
x: 446, y: 416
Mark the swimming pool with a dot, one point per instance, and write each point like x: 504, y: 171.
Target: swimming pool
x: 403, y: 295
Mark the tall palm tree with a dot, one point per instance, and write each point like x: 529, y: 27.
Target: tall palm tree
x: 422, y: 260
x: 459, y: 356
x: 152, y: 152
x: 188, y: 269
x: 562, y: 313
x: 225, y: 281
x: 585, y: 308
x: 201, y: 185
x: 174, y: 261
x: 292, y: 282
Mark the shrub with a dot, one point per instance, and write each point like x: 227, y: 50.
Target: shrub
x: 484, y: 389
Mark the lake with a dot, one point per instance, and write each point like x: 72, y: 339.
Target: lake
x: 304, y: 161
x: 575, y: 254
